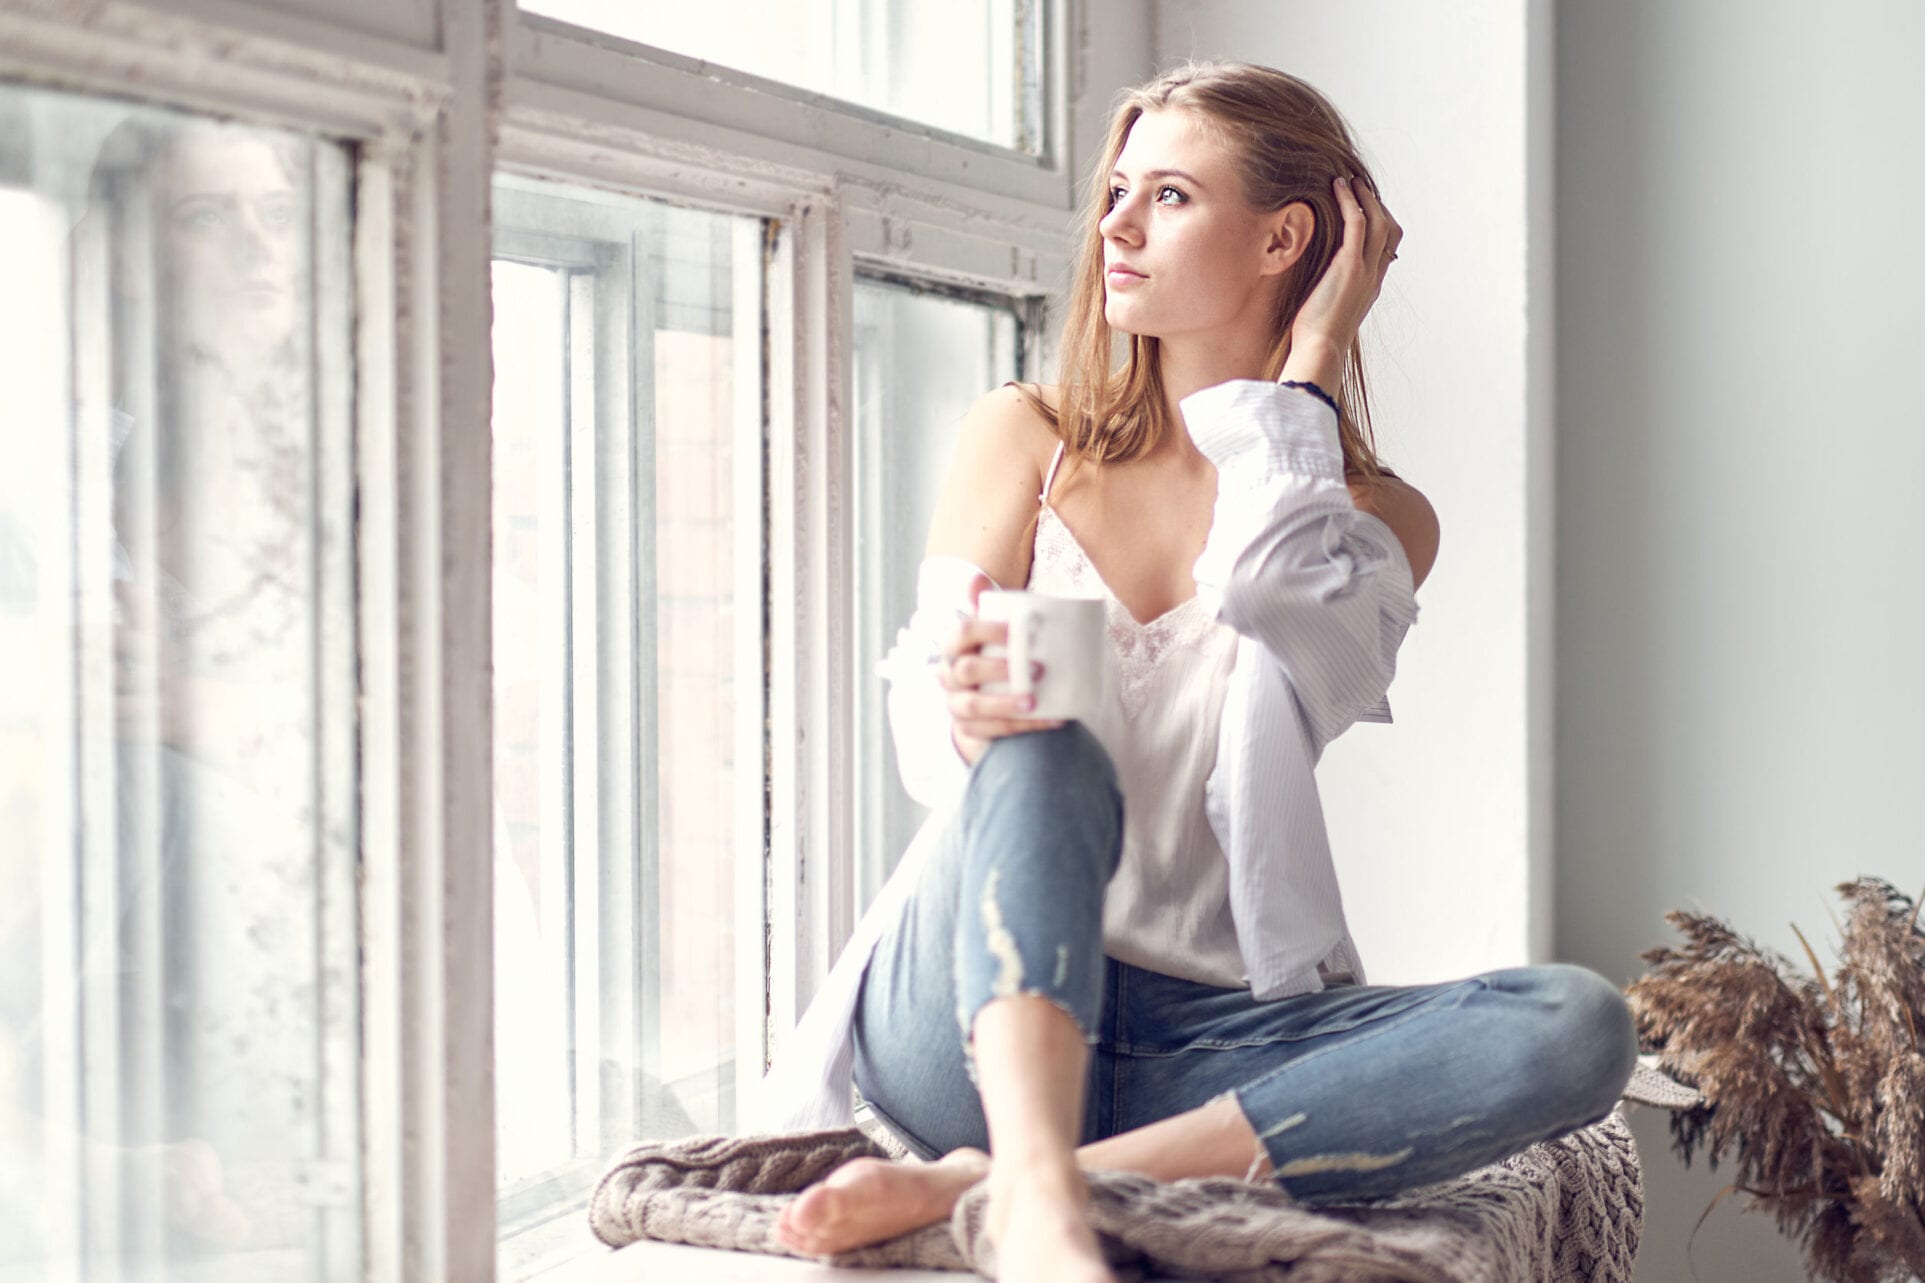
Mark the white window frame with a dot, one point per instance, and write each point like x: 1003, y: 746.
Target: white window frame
x: 573, y: 117
x: 612, y: 657
x: 430, y: 125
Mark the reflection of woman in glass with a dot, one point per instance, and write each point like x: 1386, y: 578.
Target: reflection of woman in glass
x: 193, y: 972
x: 206, y: 251
x: 208, y: 259
x: 1120, y: 944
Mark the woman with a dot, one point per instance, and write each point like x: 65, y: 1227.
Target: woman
x: 1126, y: 935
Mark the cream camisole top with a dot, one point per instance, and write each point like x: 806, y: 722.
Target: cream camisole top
x: 1168, y: 908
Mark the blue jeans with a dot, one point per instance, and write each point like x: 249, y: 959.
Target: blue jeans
x: 1356, y: 1091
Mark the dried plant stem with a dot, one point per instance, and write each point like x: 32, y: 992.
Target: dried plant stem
x: 1834, y: 1083
x: 1817, y: 1082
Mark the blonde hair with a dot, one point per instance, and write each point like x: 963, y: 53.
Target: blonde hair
x: 1289, y: 144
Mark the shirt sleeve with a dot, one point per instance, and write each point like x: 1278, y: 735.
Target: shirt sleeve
x: 933, y: 770
x: 1291, y: 561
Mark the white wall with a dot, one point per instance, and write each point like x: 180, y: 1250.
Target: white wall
x: 1441, y: 824
x: 1740, y: 436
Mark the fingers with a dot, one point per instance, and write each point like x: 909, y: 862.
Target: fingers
x: 967, y: 672
x: 964, y: 670
x: 997, y: 727
x: 1356, y: 224
x: 1383, y: 233
x: 971, y: 635
x: 972, y: 704
x: 981, y: 715
x: 1377, y: 223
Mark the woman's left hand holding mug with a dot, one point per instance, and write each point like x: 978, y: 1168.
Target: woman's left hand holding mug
x: 976, y: 717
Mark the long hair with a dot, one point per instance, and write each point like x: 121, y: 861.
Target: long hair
x: 1289, y: 144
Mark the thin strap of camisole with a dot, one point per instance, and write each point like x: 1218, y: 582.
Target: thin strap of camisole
x: 1049, y: 478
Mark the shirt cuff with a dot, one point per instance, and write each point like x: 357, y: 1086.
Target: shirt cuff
x: 1281, y: 427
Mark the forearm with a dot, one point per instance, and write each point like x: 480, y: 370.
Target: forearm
x: 1291, y: 562
x: 1314, y: 360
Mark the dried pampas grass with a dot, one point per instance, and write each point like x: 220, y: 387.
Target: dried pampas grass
x: 1818, y: 1084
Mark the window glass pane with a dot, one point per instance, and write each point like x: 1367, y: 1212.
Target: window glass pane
x: 971, y: 67
x: 921, y: 360
x: 179, y: 1047
x: 628, y: 682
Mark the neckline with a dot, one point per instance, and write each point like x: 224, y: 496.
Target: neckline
x: 1141, y: 625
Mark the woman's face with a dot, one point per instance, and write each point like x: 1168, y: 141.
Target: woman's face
x: 232, y: 238
x: 1183, y: 252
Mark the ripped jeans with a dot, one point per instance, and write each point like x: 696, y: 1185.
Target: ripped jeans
x: 1356, y: 1091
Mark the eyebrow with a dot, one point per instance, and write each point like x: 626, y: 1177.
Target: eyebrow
x: 227, y: 198
x: 1155, y: 174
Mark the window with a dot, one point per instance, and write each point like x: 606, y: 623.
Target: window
x: 293, y: 646
x: 969, y: 67
x: 179, y: 997
x: 628, y: 437
x: 922, y: 358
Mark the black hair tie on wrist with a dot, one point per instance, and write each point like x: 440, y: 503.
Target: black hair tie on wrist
x: 1313, y: 390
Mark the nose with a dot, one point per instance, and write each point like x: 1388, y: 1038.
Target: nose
x: 253, y: 237
x: 1121, y: 222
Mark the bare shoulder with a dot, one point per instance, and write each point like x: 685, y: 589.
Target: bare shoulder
x: 1006, y: 420
x: 1006, y: 443
x: 1403, y: 508
x: 989, y: 494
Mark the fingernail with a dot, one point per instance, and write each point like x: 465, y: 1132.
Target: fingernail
x: 1342, y: 181
x: 1028, y: 702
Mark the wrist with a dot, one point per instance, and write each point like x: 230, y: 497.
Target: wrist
x: 1314, y: 359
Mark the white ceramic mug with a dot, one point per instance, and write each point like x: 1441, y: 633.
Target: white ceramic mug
x: 1063, y: 634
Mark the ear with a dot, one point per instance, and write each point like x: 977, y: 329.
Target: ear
x: 1286, y: 236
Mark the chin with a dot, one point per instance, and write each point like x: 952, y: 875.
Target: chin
x: 1120, y: 320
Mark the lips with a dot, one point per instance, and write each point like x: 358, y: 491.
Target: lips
x: 1122, y: 274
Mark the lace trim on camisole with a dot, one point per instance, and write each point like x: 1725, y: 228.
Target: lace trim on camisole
x: 1060, y: 564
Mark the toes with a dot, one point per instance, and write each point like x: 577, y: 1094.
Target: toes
x: 852, y: 1173
x: 807, y: 1213
x: 796, y: 1238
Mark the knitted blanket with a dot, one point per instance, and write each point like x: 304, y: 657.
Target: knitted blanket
x: 1568, y: 1210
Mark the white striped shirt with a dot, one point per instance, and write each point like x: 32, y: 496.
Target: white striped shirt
x: 1320, y: 594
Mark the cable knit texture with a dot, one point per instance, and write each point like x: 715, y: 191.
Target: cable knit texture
x: 1568, y: 1210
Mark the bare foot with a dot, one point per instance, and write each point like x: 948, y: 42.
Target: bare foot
x: 868, y: 1200
x: 1040, y: 1226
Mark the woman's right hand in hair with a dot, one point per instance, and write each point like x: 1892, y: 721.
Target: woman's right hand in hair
x: 977, y: 717
x: 1326, y: 326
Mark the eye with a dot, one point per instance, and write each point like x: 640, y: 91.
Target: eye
x: 200, y: 215
x: 1165, y: 192
x: 277, y: 211
x: 1116, y: 194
